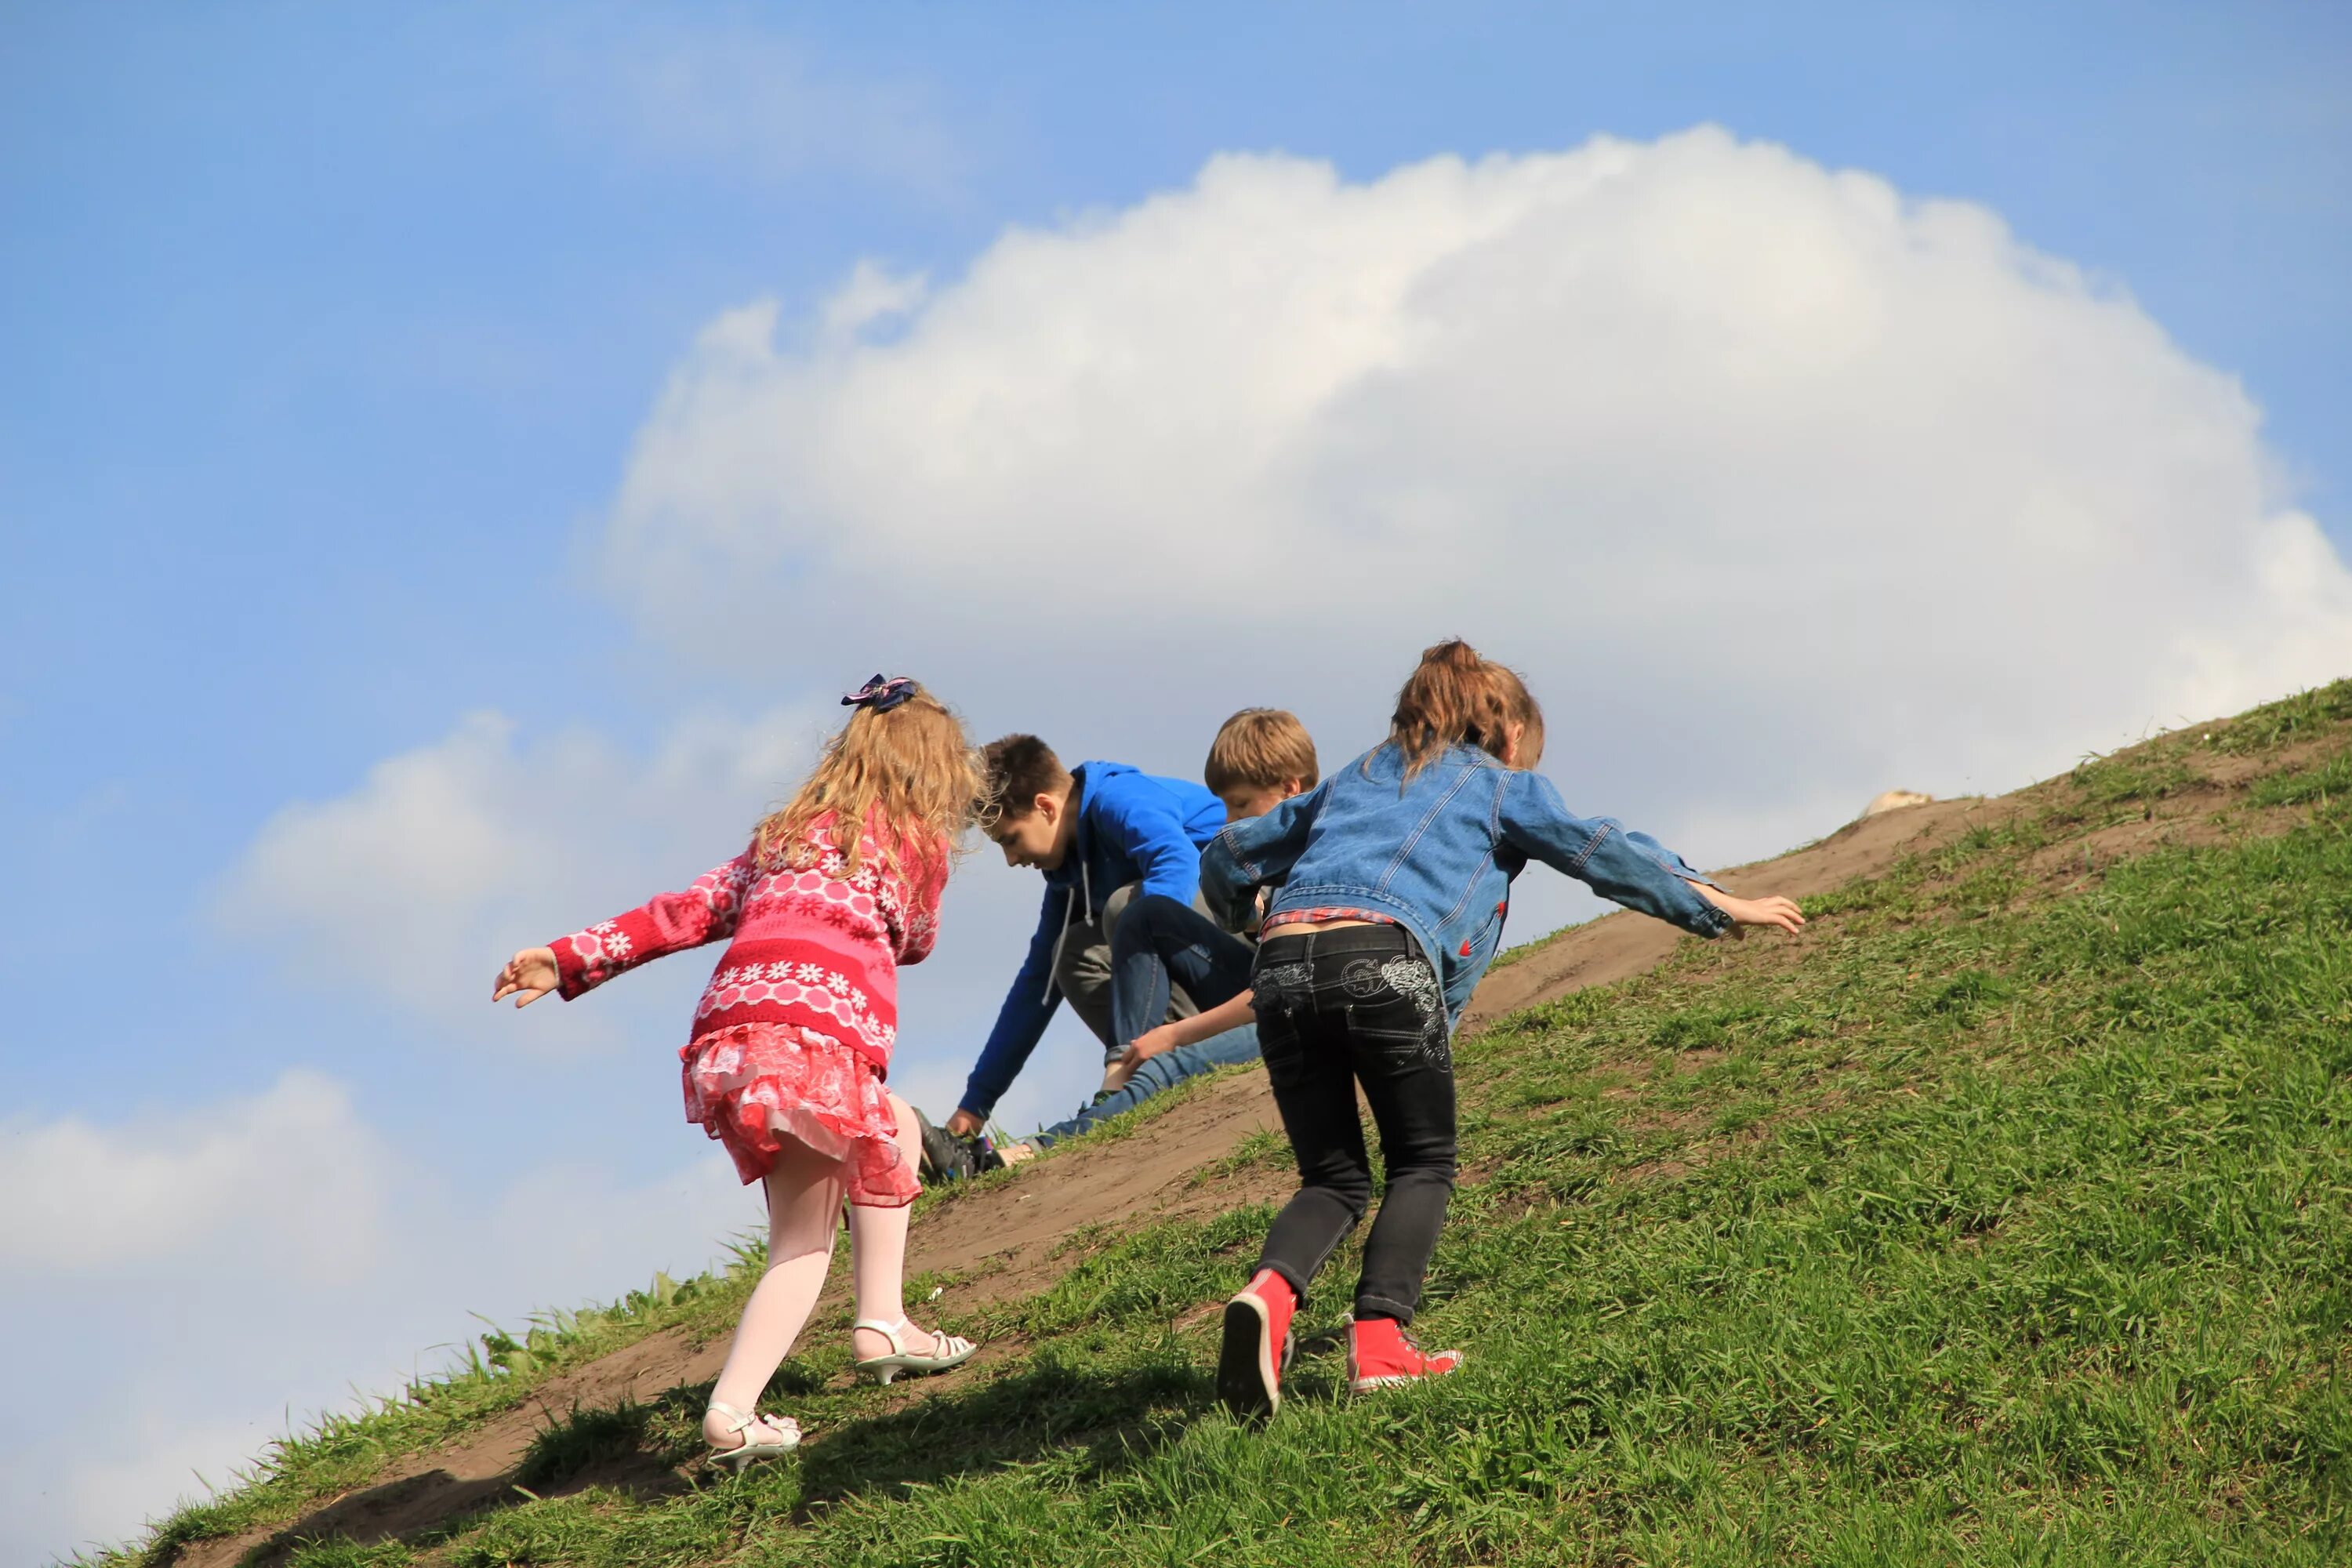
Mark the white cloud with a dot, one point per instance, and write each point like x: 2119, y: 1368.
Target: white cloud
x: 417, y: 884
x: 1783, y: 488
x: 289, y: 1179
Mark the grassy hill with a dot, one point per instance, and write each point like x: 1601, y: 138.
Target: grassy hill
x: 2005, y: 1217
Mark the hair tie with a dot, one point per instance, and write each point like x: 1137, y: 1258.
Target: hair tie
x: 881, y: 694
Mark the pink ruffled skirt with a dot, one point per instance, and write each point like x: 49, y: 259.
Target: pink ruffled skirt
x: 751, y: 1086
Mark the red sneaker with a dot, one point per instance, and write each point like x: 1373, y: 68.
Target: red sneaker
x: 1258, y: 1346
x: 1381, y: 1354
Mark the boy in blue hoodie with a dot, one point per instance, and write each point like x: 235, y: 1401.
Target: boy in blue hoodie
x: 1103, y: 835
x: 1261, y: 757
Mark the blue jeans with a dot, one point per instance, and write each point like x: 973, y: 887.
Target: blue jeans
x: 1157, y: 940
x: 1165, y: 1070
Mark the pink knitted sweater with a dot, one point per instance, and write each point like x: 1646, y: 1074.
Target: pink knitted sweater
x: 817, y: 948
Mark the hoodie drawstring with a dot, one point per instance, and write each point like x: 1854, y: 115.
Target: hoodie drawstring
x: 1054, y: 969
x: 1068, y: 908
x: 1069, y: 912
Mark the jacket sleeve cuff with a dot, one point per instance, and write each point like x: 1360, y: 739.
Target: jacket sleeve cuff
x: 1705, y: 920
x: 573, y: 974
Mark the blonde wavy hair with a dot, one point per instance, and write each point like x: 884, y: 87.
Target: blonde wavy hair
x: 914, y: 761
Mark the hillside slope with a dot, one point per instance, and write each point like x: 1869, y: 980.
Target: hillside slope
x: 2000, y: 1217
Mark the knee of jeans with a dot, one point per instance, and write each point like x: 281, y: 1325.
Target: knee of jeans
x: 1434, y: 1160
x: 1150, y: 913
x: 1142, y: 930
x: 1344, y: 1180
x: 1162, y: 1072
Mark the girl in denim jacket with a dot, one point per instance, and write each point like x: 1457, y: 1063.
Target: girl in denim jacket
x: 1391, y: 880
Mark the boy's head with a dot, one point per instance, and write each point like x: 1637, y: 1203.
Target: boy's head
x: 1261, y: 757
x: 1025, y: 802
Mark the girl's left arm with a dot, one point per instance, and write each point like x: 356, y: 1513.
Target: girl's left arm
x: 1632, y: 868
x: 672, y: 922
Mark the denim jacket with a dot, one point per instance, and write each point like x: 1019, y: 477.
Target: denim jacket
x: 1438, y: 854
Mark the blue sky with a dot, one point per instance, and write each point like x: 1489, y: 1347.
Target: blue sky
x: 328, y: 341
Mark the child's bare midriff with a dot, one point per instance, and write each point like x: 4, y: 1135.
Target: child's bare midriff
x: 1301, y: 927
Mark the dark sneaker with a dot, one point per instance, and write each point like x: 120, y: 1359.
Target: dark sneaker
x: 1258, y: 1346
x: 1381, y: 1354
x: 948, y: 1158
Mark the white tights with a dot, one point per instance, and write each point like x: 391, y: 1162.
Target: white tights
x: 805, y: 1193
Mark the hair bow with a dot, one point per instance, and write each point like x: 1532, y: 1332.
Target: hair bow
x: 881, y: 694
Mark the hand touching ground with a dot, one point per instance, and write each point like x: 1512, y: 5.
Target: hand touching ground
x: 527, y: 976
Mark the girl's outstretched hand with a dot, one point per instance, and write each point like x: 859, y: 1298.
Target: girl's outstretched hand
x: 527, y: 976
x: 1775, y: 910
x: 1148, y: 1045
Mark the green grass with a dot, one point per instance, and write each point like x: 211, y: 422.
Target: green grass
x: 2275, y: 724
x: 584, y: 1439
x: 2104, y: 783
x: 349, y: 1450
x: 2002, y: 1220
x: 2330, y: 781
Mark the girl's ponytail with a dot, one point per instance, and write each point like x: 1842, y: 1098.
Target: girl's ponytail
x: 1454, y: 697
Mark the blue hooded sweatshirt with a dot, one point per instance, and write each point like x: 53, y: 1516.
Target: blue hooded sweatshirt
x: 1133, y: 827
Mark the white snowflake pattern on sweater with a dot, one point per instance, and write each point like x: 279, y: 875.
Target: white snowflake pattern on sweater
x: 812, y: 944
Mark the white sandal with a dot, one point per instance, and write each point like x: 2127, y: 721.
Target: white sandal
x: 787, y: 1430
x: 947, y: 1351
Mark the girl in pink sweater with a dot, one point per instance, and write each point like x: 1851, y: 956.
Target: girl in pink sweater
x: 792, y: 1040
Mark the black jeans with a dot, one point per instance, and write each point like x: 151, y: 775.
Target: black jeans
x: 1158, y: 938
x: 1335, y: 1009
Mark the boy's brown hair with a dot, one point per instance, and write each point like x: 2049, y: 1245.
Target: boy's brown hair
x: 1260, y: 748
x: 1015, y: 770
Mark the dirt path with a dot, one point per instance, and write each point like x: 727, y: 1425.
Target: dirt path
x: 1006, y: 1240
x: 1009, y: 1241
